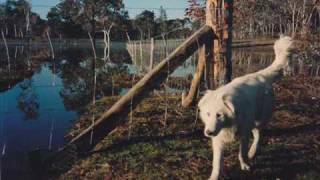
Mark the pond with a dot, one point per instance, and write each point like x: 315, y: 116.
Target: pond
x: 41, y: 97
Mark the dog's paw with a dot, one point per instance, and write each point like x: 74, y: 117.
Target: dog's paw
x: 211, y: 178
x: 214, y: 177
x: 245, y: 167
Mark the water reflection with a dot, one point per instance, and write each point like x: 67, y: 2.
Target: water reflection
x: 49, y: 94
x: 248, y: 60
x: 28, y: 100
x: 78, y: 81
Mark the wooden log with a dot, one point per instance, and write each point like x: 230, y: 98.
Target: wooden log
x: 188, y: 99
x: 115, y: 116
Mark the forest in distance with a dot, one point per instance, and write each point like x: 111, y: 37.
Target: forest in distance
x: 74, y: 19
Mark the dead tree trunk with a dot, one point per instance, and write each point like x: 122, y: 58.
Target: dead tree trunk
x: 92, y: 40
x: 15, y: 31
x: 50, y: 43
x: 115, y: 116
x: 6, y: 46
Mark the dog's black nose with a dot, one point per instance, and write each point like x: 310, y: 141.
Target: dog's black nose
x: 211, y: 133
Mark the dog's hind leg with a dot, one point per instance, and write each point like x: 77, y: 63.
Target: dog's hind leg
x: 254, y: 146
x: 243, y: 153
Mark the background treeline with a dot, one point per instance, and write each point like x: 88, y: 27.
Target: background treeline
x: 260, y: 18
x: 17, y: 21
x: 77, y: 18
x: 74, y: 19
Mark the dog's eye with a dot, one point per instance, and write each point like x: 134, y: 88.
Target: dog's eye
x: 219, y: 115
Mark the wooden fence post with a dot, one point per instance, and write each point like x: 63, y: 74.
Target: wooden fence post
x: 228, y: 31
x: 219, y: 66
x: 209, y: 47
x: 151, y: 54
x: 216, y: 54
x: 141, y: 56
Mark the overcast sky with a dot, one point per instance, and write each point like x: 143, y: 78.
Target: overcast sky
x: 175, y: 8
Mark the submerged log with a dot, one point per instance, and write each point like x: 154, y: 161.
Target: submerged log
x: 115, y: 116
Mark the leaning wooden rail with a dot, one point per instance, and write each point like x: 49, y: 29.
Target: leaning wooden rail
x: 113, y: 117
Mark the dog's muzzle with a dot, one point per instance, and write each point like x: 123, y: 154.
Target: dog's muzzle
x: 210, y: 133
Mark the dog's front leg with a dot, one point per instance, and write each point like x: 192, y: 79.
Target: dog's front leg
x: 217, y: 163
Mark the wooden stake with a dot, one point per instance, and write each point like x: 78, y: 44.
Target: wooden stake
x: 188, y: 99
x: 141, y: 56
x: 151, y: 53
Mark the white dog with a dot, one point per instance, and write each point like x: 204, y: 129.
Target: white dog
x: 241, y: 107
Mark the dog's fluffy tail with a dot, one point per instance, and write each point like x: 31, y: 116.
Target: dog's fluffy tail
x: 282, y: 49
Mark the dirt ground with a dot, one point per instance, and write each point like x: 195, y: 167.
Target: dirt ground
x: 175, y: 148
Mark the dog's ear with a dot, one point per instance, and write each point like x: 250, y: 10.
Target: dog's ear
x: 227, y: 100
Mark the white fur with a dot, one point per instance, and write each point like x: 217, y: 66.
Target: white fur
x: 240, y: 108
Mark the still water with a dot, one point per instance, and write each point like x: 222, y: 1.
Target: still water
x: 41, y: 97
x: 33, y: 116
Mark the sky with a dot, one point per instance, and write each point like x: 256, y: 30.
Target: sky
x: 174, y: 8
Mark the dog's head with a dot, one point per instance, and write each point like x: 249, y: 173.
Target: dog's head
x: 217, y: 112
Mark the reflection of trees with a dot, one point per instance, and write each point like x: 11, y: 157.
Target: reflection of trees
x: 22, y: 68
x: 78, y: 80
x: 75, y: 70
x: 246, y: 61
x: 28, y: 100
x: 18, y: 68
